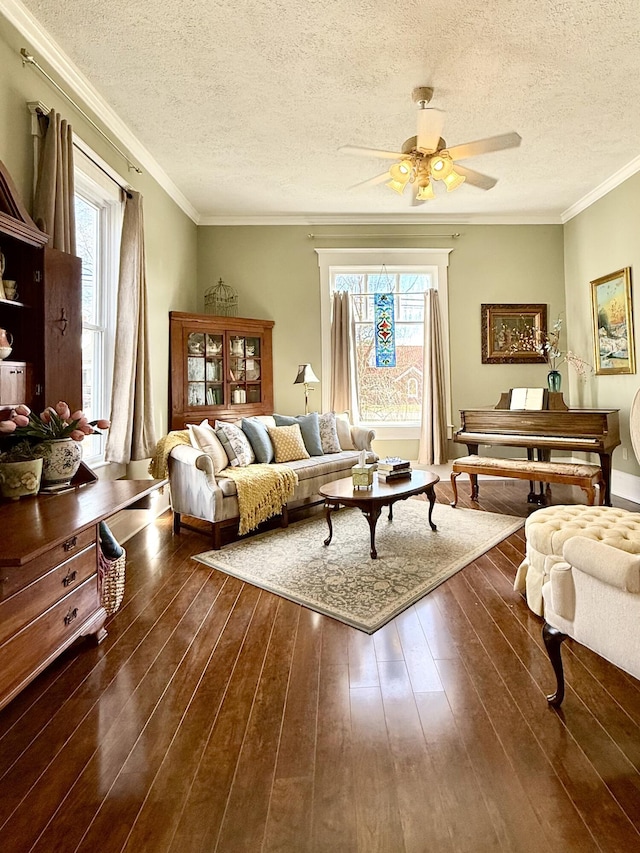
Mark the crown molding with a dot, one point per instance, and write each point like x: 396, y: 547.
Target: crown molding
x: 381, y: 219
x: 605, y: 187
x: 48, y: 50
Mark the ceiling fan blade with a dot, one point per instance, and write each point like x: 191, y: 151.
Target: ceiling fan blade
x: 430, y: 124
x: 370, y: 152
x: 476, y: 179
x: 371, y: 182
x: 484, y: 146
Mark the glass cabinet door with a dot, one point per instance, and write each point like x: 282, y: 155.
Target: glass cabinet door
x: 245, y: 369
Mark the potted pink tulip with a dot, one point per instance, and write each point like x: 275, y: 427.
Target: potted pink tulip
x: 54, y: 435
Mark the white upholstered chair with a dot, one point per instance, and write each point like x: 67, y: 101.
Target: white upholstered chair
x: 593, y: 596
x: 583, y: 570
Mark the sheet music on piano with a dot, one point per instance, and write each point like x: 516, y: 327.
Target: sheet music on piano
x: 529, y: 399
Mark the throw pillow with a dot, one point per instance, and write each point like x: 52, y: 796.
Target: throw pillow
x: 287, y: 443
x: 328, y: 433
x: 236, y: 444
x: 309, y: 428
x: 258, y: 436
x: 204, y: 438
x: 343, y: 428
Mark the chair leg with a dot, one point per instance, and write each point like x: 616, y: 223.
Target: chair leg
x: 176, y: 522
x: 454, y: 486
x: 553, y: 640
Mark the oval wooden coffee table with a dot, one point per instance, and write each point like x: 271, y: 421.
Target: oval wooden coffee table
x: 370, y: 501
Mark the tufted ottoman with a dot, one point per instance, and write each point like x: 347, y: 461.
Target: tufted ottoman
x: 547, y: 530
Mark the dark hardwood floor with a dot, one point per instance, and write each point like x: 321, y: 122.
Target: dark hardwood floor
x: 217, y: 717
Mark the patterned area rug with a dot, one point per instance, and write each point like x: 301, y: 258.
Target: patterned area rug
x: 341, y: 580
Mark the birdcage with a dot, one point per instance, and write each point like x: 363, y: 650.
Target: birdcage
x: 221, y: 300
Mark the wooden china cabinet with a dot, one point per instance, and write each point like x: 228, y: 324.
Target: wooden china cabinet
x: 221, y: 367
x: 45, y: 317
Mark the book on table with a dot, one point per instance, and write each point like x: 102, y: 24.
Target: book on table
x: 392, y: 465
x: 390, y: 476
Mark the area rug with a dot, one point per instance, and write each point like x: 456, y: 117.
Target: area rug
x: 342, y: 581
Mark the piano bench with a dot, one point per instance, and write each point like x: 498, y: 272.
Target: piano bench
x: 570, y: 473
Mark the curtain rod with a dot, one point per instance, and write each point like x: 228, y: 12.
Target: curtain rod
x: 453, y: 236
x: 28, y: 59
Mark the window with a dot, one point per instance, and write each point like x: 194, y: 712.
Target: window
x: 389, y: 398
x: 98, y: 208
x: 384, y: 392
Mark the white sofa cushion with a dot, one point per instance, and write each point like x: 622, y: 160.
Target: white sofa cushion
x: 343, y: 428
x: 204, y: 438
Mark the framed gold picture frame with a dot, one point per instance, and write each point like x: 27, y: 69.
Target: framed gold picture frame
x: 511, y: 331
x: 612, y: 313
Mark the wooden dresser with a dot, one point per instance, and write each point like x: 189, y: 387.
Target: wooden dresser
x: 49, y: 591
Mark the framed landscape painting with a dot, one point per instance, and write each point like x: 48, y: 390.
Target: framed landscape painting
x: 612, y: 310
x: 511, y: 333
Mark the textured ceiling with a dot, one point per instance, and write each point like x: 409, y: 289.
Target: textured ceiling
x: 244, y: 104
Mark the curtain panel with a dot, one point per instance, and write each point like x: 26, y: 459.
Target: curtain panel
x: 343, y: 370
x: 132, y: 436
x: 54, y: 206
x: 433, y: 430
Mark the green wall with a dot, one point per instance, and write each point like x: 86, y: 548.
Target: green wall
x: 171, y: 236
x: 275, y: 271
x: 601, y: 240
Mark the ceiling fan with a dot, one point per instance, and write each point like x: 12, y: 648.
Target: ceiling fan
x: 425, y: 157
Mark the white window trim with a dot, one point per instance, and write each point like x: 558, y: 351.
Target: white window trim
x: 103, y: 189
x: 330, y: 260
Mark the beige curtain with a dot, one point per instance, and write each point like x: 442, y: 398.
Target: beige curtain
x: 131, y: 436
x: 343, y: 379
x: 433, y: 431
x: 53, y: 207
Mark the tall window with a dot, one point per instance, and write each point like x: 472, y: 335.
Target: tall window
x: 389, y: 398
x: 98, y: 208
x: 388, y: 394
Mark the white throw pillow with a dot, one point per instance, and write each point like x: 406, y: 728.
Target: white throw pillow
x: 204, y: 438
x: 343, y: 428
x: 236, y: 444
x: 328, y: 433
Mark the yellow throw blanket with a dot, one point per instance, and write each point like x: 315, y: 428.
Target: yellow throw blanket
x: 158, y: 467
x: 262, y: 492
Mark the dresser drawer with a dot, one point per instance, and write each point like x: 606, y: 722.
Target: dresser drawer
x: 29, y: 602
x: 13, y: 578
x: 37, y: 644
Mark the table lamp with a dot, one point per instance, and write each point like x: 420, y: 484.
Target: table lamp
x: 304, y: 377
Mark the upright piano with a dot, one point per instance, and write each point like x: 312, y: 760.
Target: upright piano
x: 555, y: 427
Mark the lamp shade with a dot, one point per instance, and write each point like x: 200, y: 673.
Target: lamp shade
x: 305, y: 374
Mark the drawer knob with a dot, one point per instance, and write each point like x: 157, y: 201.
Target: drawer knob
x: 70, y: 544
x: 69, y: 579
x: 71, y: 615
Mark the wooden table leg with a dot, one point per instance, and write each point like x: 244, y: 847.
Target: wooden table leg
x: 431, y: 494
x: 372, y: 515
x: 327, y: 513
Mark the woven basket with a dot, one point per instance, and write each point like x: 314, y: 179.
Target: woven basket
x: 111, y: 575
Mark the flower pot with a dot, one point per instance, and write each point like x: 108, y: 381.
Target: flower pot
x: 61, y: 459
x: 20, y: 479
x: 554, y: 380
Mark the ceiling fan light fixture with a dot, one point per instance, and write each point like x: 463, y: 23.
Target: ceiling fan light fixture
x: 397, y: 186
x: 440, y: 166
x: 425, y: 193
x: 453, y: 180
x: 401, y: 171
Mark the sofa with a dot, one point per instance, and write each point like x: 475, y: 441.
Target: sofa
x: 199, y: 492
